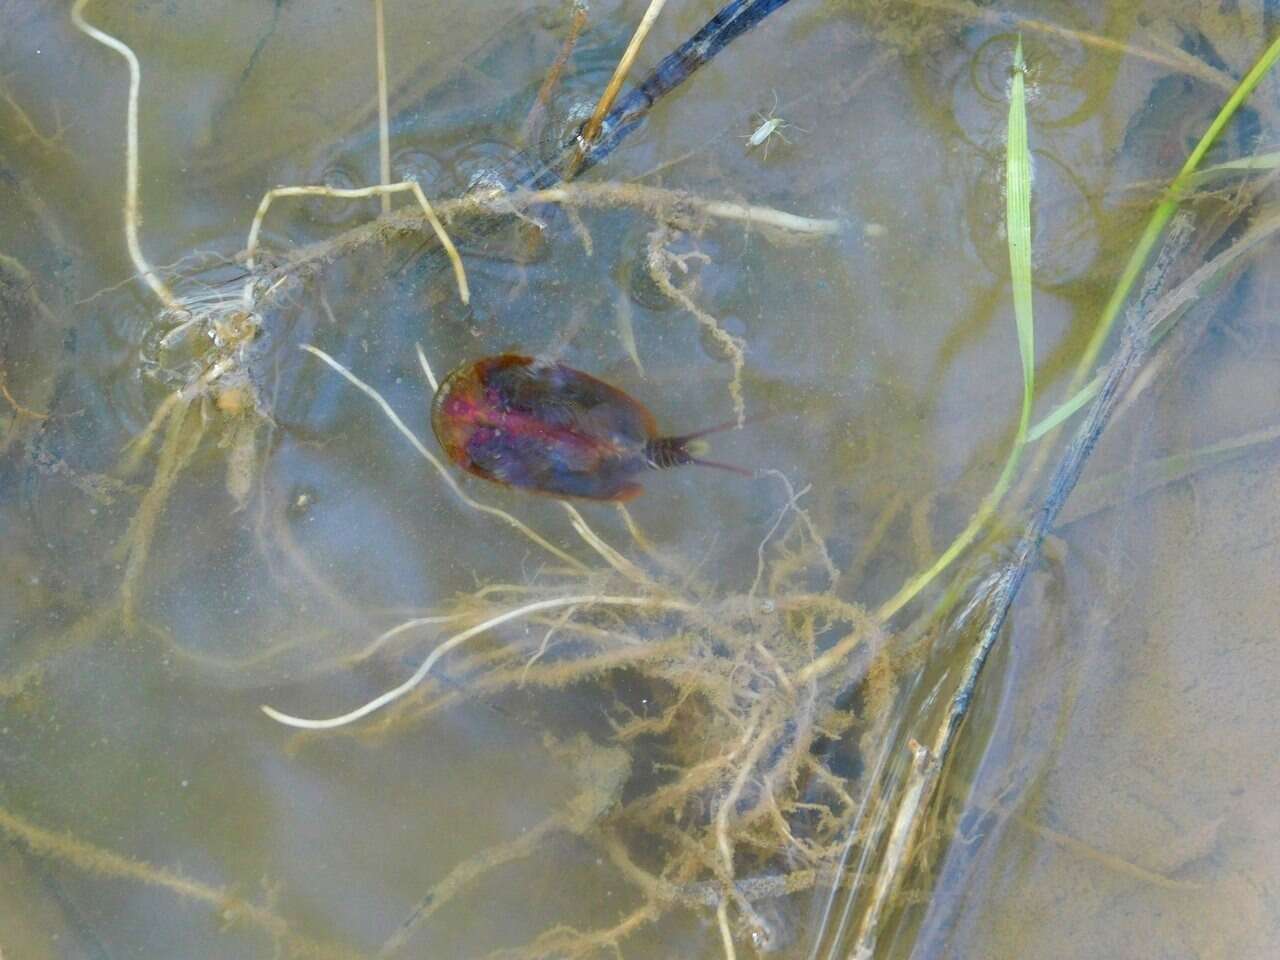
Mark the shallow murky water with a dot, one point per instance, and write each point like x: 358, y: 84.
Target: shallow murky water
x: 580, y: 779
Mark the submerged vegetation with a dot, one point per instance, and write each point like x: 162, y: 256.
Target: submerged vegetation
x: 762, y: 742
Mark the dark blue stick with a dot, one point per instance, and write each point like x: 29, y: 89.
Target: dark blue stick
x: 730, y: 22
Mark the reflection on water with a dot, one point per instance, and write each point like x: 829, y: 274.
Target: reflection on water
x: 699, y: 687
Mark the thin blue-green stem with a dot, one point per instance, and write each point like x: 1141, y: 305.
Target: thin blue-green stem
x: 1018, y: 231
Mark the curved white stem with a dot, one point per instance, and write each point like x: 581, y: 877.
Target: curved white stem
x: 145, y: 270
x: 395, y: 693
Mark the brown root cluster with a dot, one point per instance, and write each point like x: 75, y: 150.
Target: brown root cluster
x: 712, y: 791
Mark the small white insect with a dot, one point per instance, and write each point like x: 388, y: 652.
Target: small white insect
x: 770, y: 126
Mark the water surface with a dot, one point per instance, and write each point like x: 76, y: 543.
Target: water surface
x: 1113, y: 793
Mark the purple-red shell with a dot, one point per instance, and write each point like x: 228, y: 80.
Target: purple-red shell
x: 544, y: 427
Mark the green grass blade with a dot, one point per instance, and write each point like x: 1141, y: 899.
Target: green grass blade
x: 1184, y: 181
x: 1018, y: 230
x: 1165, y: 210
x: 1063, y: 411
x: 1018, y: 233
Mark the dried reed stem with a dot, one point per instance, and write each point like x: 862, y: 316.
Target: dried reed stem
x: 925, y: 769
x: 633, y: 528
x: 609, y: 555
x: 540, y: 103
x: 726, y: 935
x: 426, y: 368
x: 592, y: 128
